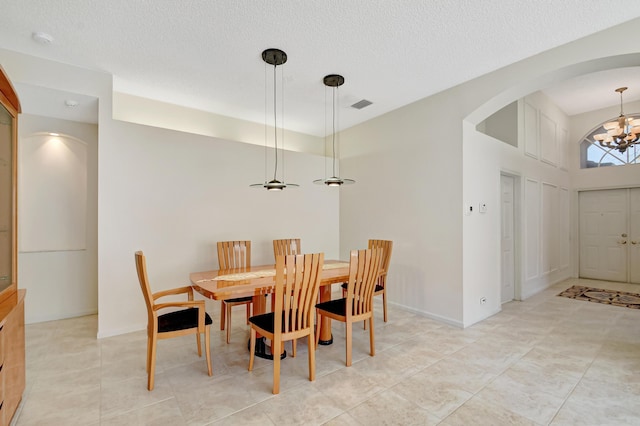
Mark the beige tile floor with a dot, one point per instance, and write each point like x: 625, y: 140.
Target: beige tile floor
x: 547, y: 360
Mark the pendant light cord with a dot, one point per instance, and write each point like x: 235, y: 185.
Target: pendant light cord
x: 266, y: 125
x: 333, y: 104
x: 275, y: 123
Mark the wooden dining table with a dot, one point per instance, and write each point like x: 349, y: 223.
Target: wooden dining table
x: 258, y: 281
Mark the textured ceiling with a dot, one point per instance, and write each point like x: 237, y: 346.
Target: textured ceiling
x: 597, y: 90
x: 206, y: 54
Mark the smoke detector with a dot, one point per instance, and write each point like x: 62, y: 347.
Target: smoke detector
x: 42, y: 38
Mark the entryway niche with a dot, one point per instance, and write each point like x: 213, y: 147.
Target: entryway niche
x: 57, y: 205
x: 534, y: 274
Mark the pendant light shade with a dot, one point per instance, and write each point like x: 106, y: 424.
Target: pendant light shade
x: 274, y: 57
x: 334, y: 81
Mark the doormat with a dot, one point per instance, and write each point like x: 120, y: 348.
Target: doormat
x: 598, y: 295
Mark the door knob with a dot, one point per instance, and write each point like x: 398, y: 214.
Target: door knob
x: 623, y: 242
x: 624, y: 235
x: 634, y: 242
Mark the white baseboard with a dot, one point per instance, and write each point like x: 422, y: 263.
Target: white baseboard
x: 123, y: 330
x: 430, y: 315
x: 33, y: 319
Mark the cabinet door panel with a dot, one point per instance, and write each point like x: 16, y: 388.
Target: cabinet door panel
x: 9, y: 109
x: 6, y: 198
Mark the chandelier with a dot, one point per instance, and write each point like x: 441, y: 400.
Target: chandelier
x: 274, y: 57
x: 622, y: 133
x: 334, y: 81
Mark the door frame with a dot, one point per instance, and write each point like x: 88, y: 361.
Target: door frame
x: 517, y: 231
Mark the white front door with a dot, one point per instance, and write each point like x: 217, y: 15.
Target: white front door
x: 603, y: 234
x: 507, y: 238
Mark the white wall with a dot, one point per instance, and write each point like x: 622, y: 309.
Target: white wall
x: 135, y: 109
x: 409, y: 190
x: 61, y: 283
x: 423, y: 163
x: 173, y: 195
x: 542, y: 246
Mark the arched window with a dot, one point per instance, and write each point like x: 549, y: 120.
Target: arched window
x: 592, y: 154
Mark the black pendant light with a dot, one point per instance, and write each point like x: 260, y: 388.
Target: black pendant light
x: 274, y: 57
x: 334, y: 81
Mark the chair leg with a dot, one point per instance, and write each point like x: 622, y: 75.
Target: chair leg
x: 252, y: 348
x: 152, y: 363
x: 318, y: 322
x: 384, y: 303
x: 199, y: 344
x: 149, y: 343
x: 248, y: 305
x: 372, y: 341
x: 228, y: 323
x: 207, y: 348
x: 312, y: 356
x: 293, y: 347
x: 349, y: 332
x: 223, y: 319
x: 277, y: 346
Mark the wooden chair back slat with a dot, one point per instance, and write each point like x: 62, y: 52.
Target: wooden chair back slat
x: 387, y: 247
x: 286, y: 247
x: 364, y: 269
x: 297, y: 281
x: 141, y: 269
x: 234, y: 254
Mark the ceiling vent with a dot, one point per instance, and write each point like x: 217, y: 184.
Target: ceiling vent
x: 361, y: 104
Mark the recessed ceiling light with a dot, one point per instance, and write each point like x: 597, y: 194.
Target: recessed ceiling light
x: 54, y: 134
x: 71, y: 103
x: 42, y: 38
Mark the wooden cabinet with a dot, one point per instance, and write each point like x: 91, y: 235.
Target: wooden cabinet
x: 12, y: 348
x: 12, y: 356
x: 9, y: 109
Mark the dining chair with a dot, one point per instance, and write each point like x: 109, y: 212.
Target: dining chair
x: 192, y: 320
x: 286, y: 247
x: 364, y: 268
x: 381, y: 284
x: 233, y: 255
x: 297, y: 281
